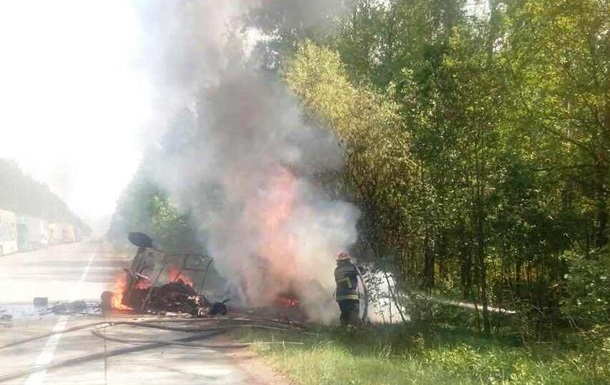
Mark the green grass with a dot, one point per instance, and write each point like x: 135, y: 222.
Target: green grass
x: 407, y: 355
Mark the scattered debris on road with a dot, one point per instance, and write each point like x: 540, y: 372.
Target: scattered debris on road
x: 75, y: 307
x: 41, y: 301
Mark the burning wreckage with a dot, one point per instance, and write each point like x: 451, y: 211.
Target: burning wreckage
x: 159, y: 283
x: 187, y: 284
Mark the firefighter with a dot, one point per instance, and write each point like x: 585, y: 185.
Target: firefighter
x: 346, y: 279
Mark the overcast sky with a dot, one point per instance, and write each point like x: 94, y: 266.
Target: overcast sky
x: 72, y: 101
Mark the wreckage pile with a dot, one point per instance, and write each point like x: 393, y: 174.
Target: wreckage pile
x: 174, y: 297
x: 136, y: 291
x: 135, y: 294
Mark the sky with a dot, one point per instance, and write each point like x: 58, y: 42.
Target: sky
x: 73, y: 103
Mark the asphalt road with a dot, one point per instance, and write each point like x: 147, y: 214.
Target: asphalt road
x: 81, y: 272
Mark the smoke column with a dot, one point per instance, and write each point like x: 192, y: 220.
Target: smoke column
x: 235, y: 151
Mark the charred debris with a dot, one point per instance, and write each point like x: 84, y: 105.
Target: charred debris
x: 161, y: 284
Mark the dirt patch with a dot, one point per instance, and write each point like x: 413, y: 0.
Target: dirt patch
x: 258, y: 372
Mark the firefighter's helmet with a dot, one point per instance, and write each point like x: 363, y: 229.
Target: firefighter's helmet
x: 344, y: 255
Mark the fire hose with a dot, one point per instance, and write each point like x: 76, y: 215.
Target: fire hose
x: 95, y: 356
x: 189, y: 344
x: 152, y: 324
x: 144, y: 344
x: 365, y: 295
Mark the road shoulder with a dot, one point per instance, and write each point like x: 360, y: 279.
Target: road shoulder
x: 250, y: 363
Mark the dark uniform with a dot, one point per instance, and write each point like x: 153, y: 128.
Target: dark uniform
x: 346, y: 278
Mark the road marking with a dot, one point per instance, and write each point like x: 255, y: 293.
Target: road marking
x: 77, y: 288
x: 47, y: 353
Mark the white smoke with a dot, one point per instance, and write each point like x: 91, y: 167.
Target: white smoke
x: 237, y: 153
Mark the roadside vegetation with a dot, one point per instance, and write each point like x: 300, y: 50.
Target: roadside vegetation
x: 22, y: 194
x: 406, y: 354
x: 476, y: 138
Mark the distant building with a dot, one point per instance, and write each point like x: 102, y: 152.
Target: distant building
x: 8, y: 232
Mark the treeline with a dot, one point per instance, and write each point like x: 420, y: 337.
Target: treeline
x: 477, y: 139
x: 477, y: 146
x: 145, y: 207
x: 25, y: 196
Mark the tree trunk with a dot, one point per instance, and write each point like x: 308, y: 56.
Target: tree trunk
x: 428, y: 273
x: 394, y: 298
x: 601, y: 238
x: 482, y: 272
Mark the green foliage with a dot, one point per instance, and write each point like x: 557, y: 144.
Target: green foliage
x: 407, y: 355
x: 372, y: 133
x: 286, y: 22
x: 144, y: 207
x: 587, y: 289
x: 476, y: 145
x: 558, y: 64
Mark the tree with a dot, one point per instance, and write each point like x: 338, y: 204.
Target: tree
x: 144, y: 207
x: 25, y: 196
x: 379, y: 168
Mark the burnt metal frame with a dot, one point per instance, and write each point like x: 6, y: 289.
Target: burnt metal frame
x: 135, y: 273
x: 204, y: 270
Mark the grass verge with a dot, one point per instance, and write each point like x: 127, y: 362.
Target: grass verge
x: 404, y: 354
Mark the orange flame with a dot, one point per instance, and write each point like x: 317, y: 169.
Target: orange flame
x: 287, y: 302
x: 120, y: 286
x: 277, y: 245
x: 273, y: 211
x: 175, y: 274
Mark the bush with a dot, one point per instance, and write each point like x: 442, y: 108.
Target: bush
x: 587, y: 289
